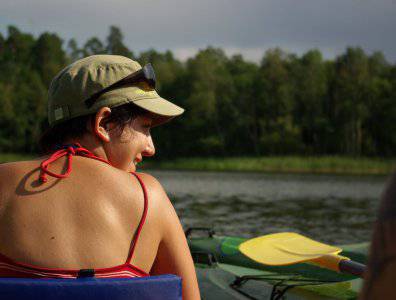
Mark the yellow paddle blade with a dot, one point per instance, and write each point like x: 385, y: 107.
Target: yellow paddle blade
x: 285, y: 248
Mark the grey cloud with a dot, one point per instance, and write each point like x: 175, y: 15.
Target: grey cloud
x: 296, y: 25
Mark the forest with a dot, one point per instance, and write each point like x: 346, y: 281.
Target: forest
x: 286, y: 104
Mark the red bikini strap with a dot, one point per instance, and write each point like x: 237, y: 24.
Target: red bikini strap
x: 69, y: 151
x: 142, y: 220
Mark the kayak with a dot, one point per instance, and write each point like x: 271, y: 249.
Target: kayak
x: 225, y: 273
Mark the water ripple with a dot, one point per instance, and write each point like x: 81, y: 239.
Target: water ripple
x: 333, y: 209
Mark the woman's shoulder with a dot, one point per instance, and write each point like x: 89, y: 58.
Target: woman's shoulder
x: 18, y: 164
x: 152, y: 184
x: 149, y: 180
x: 157, y: 196
x: 13, y: 170
x: 12, y: 174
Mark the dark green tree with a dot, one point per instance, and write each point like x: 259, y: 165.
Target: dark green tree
x: 209, y: 101
x: 48, y: 56
x: 276, y: 103
x: 115, y: 44
x: 73, y: 51
x: 15, y: 64
x: 310, y: 95
x: 94, y: 46
x: 17, y: 47
x: 2, y: 45
x: 243, y: 135
x: 380, y: 123
x: 349, y: 100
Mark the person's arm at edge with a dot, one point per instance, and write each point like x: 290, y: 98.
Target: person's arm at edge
x: 173, y: 255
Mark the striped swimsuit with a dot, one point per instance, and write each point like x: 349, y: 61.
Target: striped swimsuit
x: 11, y: 268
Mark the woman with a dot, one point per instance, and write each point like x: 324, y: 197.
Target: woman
x: 380, y: 278
x: 82, y: 210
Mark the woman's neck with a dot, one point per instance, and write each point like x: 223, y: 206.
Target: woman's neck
x: 92, y: 144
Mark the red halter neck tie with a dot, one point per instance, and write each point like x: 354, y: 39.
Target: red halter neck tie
x: 69, y: 151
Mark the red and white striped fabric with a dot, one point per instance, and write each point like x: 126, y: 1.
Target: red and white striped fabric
x: 10, y: 268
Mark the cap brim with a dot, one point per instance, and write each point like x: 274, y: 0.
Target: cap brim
x: 162, y: 109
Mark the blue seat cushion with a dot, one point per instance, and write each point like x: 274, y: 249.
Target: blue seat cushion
x: 164, y: 287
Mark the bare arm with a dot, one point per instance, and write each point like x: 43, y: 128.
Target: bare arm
x: 173, y: 256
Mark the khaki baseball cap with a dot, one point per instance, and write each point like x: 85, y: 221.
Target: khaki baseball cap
x: 83, y: 78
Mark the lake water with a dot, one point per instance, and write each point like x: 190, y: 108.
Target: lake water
x: 333, y: 209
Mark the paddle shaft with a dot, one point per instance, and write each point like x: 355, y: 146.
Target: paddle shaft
x: 352, y: 267
x: 341, y: 264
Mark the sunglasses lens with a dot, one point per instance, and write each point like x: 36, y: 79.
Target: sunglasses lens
x: 149, y: 74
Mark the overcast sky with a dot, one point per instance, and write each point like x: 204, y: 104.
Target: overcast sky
x: 248, y: 27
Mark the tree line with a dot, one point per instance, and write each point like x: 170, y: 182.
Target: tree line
x: 286, y: 104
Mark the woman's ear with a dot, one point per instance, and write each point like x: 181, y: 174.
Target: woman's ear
x: 99, y: 127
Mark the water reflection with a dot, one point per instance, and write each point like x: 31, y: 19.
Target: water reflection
x: 334, y: 209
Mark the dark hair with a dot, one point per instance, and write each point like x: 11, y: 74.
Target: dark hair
x: 76, y: 128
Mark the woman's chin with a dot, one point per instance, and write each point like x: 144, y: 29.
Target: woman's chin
x: 132, y: 168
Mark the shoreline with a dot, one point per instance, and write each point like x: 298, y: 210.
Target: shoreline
x: 331, y: 165
x: 336, y: 165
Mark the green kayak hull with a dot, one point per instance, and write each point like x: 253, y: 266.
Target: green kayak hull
x: 225, y: 273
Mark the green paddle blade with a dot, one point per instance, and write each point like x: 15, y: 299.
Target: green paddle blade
x: 285, y: 248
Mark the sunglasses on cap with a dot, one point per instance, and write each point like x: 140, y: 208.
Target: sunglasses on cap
x: 145, y: 74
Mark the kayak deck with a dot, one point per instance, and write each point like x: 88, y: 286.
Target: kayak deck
x: 225, y: 273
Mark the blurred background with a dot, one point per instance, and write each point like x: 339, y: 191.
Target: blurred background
x: 294, y: 102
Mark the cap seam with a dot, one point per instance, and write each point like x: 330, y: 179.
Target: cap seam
x: 143, y: 98
x: 112, y: 65
x: 125, y: 100
x: 130, y: 98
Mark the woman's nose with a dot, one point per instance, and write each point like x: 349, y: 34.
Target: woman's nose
x: 150, y: 148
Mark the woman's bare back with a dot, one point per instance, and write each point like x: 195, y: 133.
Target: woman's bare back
x: 86, y: 220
